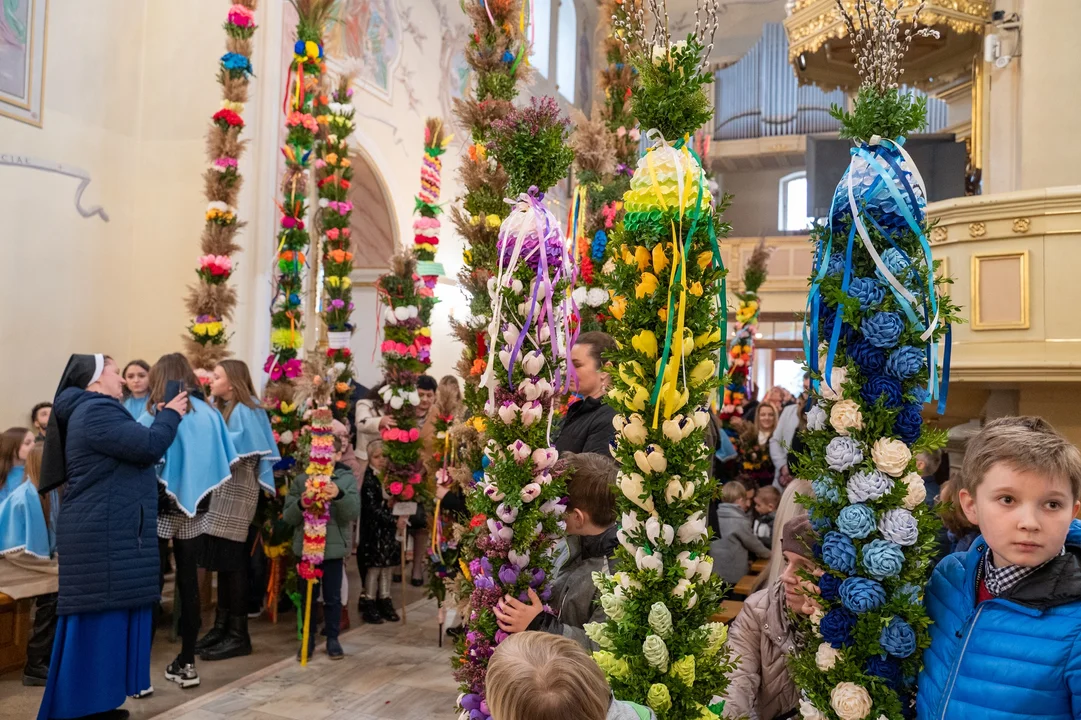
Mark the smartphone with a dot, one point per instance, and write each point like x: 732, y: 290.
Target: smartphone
x: 172, y: 389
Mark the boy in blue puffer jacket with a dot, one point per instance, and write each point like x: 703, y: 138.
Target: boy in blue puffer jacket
x: 1006, y: 638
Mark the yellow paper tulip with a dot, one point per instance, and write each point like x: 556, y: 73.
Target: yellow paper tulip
x: 647, y: 286
x: 642, y: 257
x: 628, y: 256
x: 703, y: 371
x: 641, y: 397
x: 645, y: 342
x: 695, y: 289
x: 618, y: 307
x: 660, y: 260
x: 705, y: 259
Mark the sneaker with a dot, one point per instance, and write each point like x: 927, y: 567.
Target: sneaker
x: 334, y: 649
x: 144, y: 693
x: 183, y: 675
x: 32, y: 680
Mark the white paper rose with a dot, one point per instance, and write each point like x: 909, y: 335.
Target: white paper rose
x: 826, y: 657
x: 917, y: 491
x: 809, y: 711
x: 891, y: 456
x: 832, y: 390
x: 816, y: 418
x: 845, y: 416
x: 850, y: 701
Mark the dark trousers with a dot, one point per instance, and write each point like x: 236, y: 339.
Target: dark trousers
x: 40, y: 648
x: 331, y: 587
x: 257, y: 571
x: 186, y: 557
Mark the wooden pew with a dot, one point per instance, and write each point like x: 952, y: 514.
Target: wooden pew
x: 758, y: 566
x: 14, y: 632
x: 729, y: 610
x: 744, y: 587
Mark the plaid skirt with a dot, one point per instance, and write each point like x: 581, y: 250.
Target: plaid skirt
x: 233, y: 503
x: 175, y: 524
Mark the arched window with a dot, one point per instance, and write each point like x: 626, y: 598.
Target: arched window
x: 792, y: 203
x: 539, y: 52
x: 567, y: 49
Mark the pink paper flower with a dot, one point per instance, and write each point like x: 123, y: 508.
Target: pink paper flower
x: 395, y: 488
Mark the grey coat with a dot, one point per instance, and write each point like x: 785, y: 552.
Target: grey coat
x: 732, y: 548
x: 574, y: 597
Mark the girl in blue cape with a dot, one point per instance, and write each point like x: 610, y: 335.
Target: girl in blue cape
x: 15, y: 445
x: 136, y: 387
x: 199, y: 460
x: 28, y: 528
x: 233, y: 506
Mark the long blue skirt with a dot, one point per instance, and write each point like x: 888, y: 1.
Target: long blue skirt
x: 99, y: 659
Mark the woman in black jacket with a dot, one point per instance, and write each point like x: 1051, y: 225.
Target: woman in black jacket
x: 587, y: 426
x: 106, y: 539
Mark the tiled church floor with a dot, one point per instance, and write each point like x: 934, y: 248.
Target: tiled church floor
x: 390, y: 671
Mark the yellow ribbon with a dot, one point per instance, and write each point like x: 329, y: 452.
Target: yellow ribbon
x: 669, y: 394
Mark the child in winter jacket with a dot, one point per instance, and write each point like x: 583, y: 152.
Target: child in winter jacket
x: 1006, y: 613
x: 731, y: 550
x: 539, y: 675
x: 766, y: 500
x: 591, y: 545
x: 343, y: 511
x: 762, y: 635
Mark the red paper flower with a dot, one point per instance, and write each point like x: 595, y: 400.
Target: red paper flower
x: 228, y: 118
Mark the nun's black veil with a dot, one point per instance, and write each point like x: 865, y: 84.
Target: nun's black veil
x: 79, y: 373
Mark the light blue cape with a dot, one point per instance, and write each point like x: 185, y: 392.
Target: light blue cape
x: 251, y: 434
x: 14, y: 479
x: 135, y: 406
x: 199, y: 459
x: 22, y: 523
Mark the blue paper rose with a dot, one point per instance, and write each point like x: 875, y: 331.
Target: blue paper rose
x: 905, y: 362
x: 882, y: 559
x: 869, y: 359
x: 883, y: 329
x: 842, y: 453
x: 886, y: 668
x: 861, y: 595
x: 899, y: 526
x: 896, y: 261
x: 824, y: 489
x: 829, y: 587
x: 864, y: 486
x: 836, y: 627
x: 836, y: 264
x: 839, y: 553
x: 885, y: 387
x: 868, y: 292
x: 856, y: 521
x: 600, y: 242
x: 909, y: 422
x: 897, y: 638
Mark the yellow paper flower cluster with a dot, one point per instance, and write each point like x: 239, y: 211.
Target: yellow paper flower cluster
x: 207, y: 329
x: 338, y: 281
x: 285, y: 338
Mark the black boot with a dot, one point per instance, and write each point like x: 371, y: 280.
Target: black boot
x: 40, y: 648
x: 386, y: 609
x: 216, y: 634
x: 236, y: 642
x: 370, y: 612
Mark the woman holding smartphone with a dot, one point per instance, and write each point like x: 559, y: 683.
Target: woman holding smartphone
x: 105, y: 537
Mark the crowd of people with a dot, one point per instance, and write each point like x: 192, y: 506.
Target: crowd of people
x: 133, y: 473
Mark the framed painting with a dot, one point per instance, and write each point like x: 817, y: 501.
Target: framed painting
x: 23, y: 25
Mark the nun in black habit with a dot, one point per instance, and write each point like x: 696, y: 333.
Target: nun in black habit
x: 106, y: 538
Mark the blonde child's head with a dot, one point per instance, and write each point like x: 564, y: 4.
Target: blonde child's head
x: 1021, y: 485
x: 735, y: 493
x: 540, y: 676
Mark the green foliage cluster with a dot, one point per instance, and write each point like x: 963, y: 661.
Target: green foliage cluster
x: 531, y: 145
x: 671, y: 95
x: 891, y: 114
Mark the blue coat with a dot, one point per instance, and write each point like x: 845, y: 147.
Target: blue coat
x: 106, y: 533
x: 1014, y: 657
